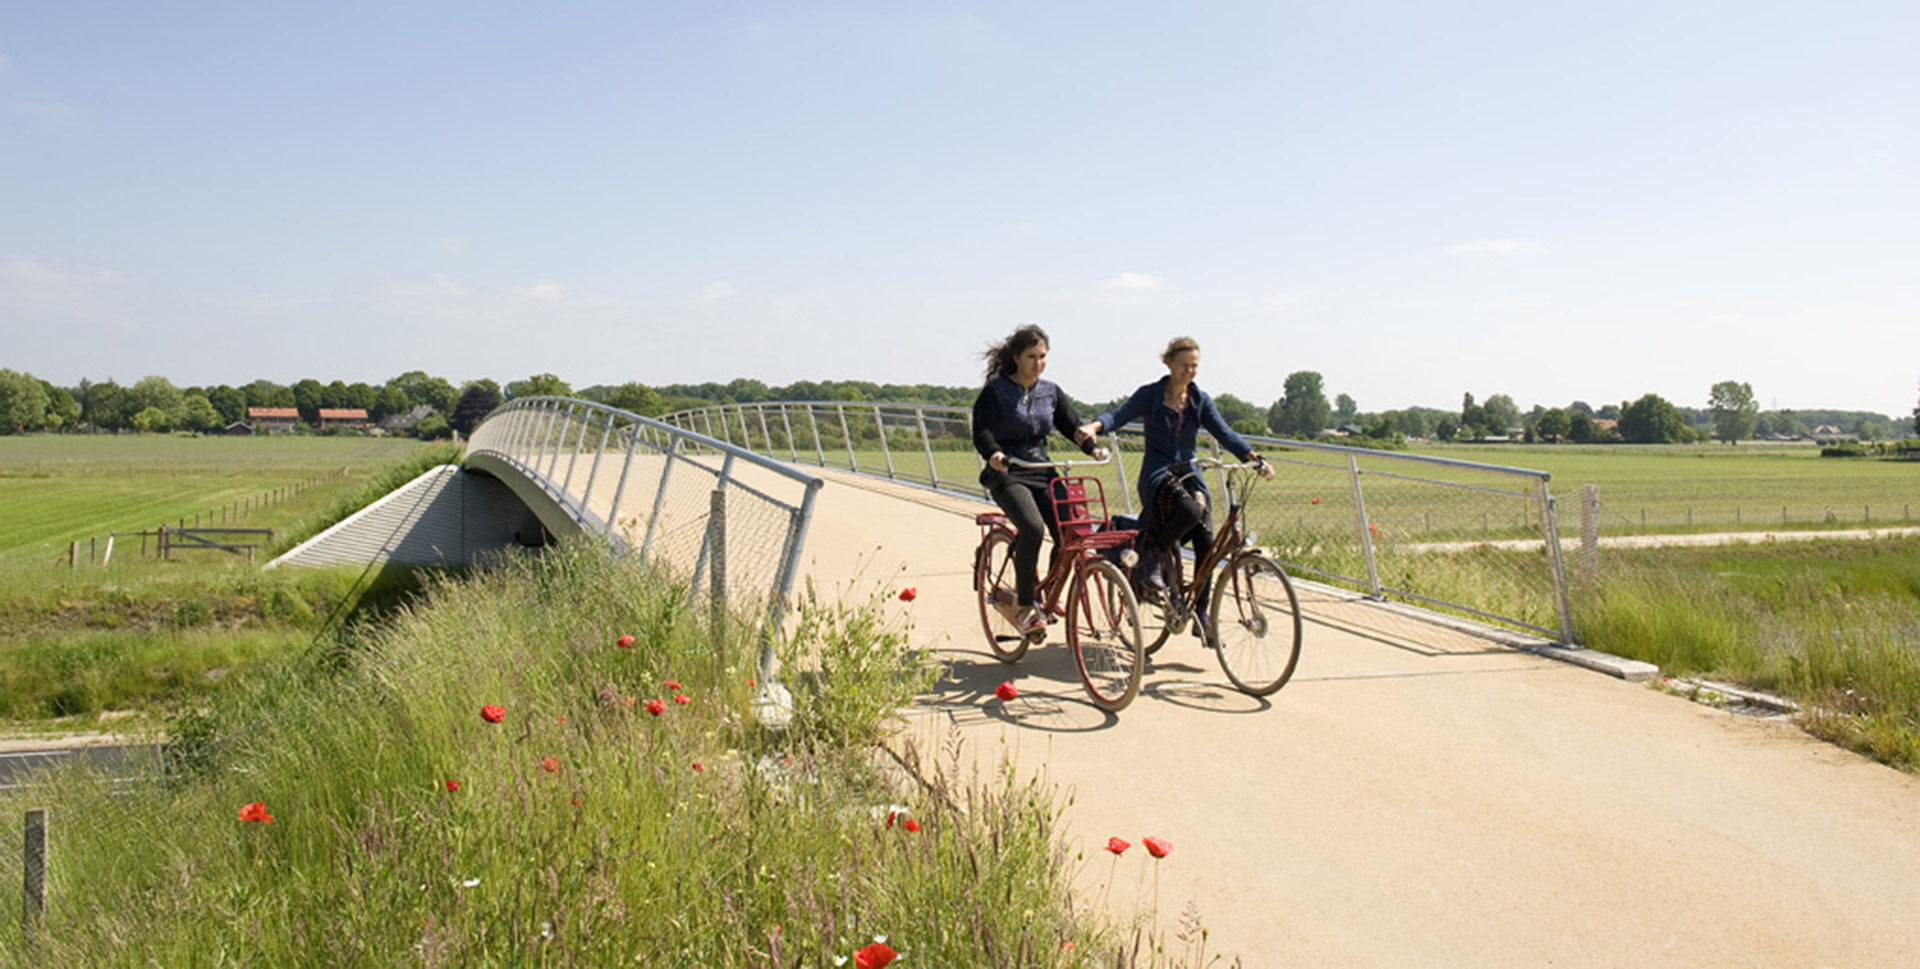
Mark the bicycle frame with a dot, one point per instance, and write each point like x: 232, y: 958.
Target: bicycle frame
x: 1227, y: 541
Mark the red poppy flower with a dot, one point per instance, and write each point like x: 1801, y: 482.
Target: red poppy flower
x: 891, y: 815
x: 874, y: 956
x: 656, y: 708
x: 257, y: 811
x: 673, y: 685
x: 908, y: 594
x: 1118, y: 846
x: 697, y: 767
x: 682, y: 699
x: 550, y: 764
x: 452, y: 786
x: 493, y: 713
x: 630, y: 701
x: 911, y: 825
x: 560, y: 719
x: 1314, y: 501
x: 1156, y: 847
x: 1005, y: 691
x: 625, y: 642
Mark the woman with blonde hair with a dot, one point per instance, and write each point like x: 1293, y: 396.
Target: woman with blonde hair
x: 1173, y: 497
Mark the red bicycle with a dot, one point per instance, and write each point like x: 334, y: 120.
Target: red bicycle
x: 1102, y: 615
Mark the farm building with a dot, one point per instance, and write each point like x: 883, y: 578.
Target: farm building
x: 273, y: 420
x: 343, y: 417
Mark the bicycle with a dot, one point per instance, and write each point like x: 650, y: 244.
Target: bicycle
x: 1102, y: 614
x: 1254, y: 618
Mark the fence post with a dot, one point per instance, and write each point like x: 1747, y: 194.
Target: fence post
x: 880, y: 428
x: 717, y: 571
x: 1590, y: 533
x: 73, y: 555
x: 1561, y: 603
x: 34, y: 877
x: 847, y: 435
x: 1366, y: 536
x: 933, y: 473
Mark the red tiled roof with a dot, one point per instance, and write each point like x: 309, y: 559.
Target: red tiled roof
x: 343, y: 413
x: 270, y: 413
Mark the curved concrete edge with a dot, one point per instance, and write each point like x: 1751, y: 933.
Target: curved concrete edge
x: 555, y: 517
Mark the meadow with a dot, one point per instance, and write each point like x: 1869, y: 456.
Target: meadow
x: 492, y: 778
x: 129, y: 642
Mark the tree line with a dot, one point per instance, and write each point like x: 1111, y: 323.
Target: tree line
x: 1303, y: 411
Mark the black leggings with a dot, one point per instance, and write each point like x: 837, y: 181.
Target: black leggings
x: 1031, y: 511
x: 1180, y: 513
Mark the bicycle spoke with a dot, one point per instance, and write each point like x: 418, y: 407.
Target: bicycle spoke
x: 1257, y: 624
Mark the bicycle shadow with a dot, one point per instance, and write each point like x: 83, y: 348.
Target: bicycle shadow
x: 1051, y: 696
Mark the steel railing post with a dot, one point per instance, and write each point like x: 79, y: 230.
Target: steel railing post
x: 926, y: 440
x: 880, y: 428
x: 1366, y: 533
x: 1563, y: 606
x: 847, y: 436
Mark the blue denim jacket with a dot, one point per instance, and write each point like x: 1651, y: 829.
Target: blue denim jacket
x: 1016, y: 420
x: 1165, y: 447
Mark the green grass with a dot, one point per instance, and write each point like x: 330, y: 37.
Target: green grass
x: 1832, y: 625
x: 60, y: 489
x: 584, y: 830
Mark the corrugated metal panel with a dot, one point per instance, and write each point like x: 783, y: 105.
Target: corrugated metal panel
x: 445, y: 516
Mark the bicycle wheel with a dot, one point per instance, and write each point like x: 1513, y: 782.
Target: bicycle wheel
x: 1164, y: 611
x: 999, y: 609
x: 1103, y: 630
x: 1256, y: 624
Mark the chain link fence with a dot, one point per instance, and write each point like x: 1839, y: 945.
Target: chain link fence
x: 731, y: 522
x: 1477, y: 540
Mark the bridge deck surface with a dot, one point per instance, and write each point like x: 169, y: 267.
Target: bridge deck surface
x: 1415, y: 796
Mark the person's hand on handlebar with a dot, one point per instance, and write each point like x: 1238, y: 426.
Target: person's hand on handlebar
x: 1260, y: 463
x: 998, y: 461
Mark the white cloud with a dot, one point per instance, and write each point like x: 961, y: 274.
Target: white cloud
x: 1023, y: 228
x: 455, y: 245
x: 545, y: 292
x: 45, y: 110
x: 714, y: 293
x: 31, y: 271
x: 445, y: 284
x: 1133, y: 281
x: 1498, y: 247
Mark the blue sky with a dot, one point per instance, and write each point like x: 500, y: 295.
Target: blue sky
x: 1552, y: 201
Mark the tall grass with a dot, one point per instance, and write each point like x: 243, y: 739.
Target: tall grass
x: 1834, y: 626
x: 582, y: 829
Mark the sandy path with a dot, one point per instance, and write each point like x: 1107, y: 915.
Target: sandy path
x: 1417, y: 797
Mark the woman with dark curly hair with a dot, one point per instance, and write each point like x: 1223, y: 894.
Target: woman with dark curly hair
x: 1013, y: 416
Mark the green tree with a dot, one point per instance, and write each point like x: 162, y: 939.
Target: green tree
x: 421, y: 388
x: 23, y: 402
x: 432, y: 428
x: 1236, y: 412
x: 1580, y: 428
x: 1344, y: 409
x: 1872, y: 430
x: 539, y: 385
x: 197, y: 413
x: 266, y: 393
x: 63, y: 412
x: 1473, y: 419
x: 151, y: 419
x: 1652, y: 420
x: 1735, y: 414
x: 231, y: 402
x: 309, y: 397
x: 1555, y: 424
x: 157, y: 393
x: 636, y: 398
x: 1502, y: 414
x: 105, y: 405
x: 1445, y: 430
x: 1302, y: 410
x: 477, y: 401
x: 1916, y: 419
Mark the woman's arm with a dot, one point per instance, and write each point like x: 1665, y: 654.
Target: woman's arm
x: 986, y: 407
x: 1068, y: 423
x: 1125, y: 414
x: 1222, y: 431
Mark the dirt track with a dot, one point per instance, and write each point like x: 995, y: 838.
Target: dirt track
x: 1416, y: 796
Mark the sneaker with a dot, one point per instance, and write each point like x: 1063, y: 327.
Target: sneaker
x: 1150, y: 568
x: 1203, y: 626
x: 1032, y: 620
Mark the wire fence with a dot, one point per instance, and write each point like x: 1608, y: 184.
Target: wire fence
x: 1456, y: 536
x: 729, y: 521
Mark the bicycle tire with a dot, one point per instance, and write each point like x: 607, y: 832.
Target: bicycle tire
x: 1256, y: 624
x: 1103, y: 630
x: 993, y: 581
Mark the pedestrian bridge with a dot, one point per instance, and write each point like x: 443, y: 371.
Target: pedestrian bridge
x: 1419, y: 794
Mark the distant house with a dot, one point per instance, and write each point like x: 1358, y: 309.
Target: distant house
x: 238, y: 429
x: 405, y: 421
x: 1828, y: 430
x: 343, y: 417
x: 273, y: 420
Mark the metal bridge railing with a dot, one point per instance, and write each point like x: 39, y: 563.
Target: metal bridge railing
x: 724, y: 518
x: 1459, y: 536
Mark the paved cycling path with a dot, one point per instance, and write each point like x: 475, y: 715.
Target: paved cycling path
x: 1415, y: 797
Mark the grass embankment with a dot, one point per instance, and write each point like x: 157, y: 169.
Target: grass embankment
x: 1833, y: 625
x: 586, y: 827
x: 141, y: 637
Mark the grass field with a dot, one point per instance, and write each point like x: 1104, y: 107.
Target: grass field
x: 59, y: 489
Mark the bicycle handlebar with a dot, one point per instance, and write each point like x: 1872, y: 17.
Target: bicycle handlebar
x: 1104, y: 456
x: 1255, y: 465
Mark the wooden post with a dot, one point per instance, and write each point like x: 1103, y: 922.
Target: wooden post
x: 34, y: 876
x: 73, y: 554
